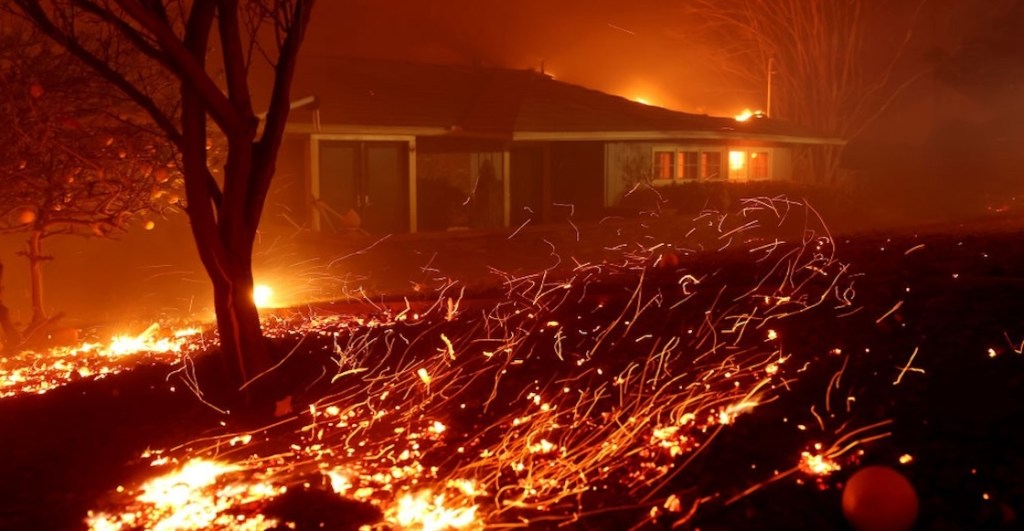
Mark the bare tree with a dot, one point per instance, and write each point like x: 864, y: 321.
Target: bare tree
x: 834, y: 65
x: 70, y: 165
x: 178, y: 38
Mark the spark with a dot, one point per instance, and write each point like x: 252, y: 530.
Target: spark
x: 890, y: 312
x: 557, y: 390
x: 619, y: 28
x: 907, y: 367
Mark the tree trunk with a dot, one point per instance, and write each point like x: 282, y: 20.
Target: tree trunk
x: 11, y: 335
x: 35, y: 264
x: 245, y: 349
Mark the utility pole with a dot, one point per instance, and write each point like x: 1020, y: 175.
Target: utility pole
x: 768, y: 106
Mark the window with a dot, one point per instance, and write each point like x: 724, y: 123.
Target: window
x: 664, y: 165
x: 759, y: 165
x: 689, y: 162
x: 711, y: 165
x: 738, y: 165
x: 749, y: 164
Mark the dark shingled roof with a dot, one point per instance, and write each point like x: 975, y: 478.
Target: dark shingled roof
x: 471, y: 100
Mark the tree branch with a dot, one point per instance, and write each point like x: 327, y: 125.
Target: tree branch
x: 191, y: 70
x: 32, y: 10
x: 277, y: 112
x: 234, y: 58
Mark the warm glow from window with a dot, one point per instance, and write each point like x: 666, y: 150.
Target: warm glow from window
x: 663, y: 165
x: 263, y: 295
x: 737, y: 160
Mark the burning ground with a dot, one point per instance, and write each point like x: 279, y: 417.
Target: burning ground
x: 724, y: 372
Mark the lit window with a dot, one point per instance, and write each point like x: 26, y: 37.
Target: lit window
x: 737, y: 164
x: 759, y: 164
x: 664, y: 165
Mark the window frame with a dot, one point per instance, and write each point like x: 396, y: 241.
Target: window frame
x: 679, y: 163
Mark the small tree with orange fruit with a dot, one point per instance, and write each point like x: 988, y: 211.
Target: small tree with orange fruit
x: 70, y: 162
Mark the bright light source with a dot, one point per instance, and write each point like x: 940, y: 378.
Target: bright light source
x: 745, y: 115
x: 748, y: 114
x: 262, y: 295
x: 737, y: 159
x: 644, y: 101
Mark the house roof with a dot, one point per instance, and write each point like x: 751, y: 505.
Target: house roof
x: 426, y: 99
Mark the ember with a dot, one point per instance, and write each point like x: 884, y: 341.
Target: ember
x: 552, y: 398
x: 38, y: 372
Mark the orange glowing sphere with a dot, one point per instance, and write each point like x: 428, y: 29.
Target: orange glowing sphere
x: 27, y: 216
x: 878, y: 498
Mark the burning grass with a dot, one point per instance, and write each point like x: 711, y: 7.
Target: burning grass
x: 582, y: 389
x: 35, y: 372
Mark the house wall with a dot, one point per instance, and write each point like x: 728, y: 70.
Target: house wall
x: 577, y: 177
x: 630, y: 163
x: 289, y: 198
x: 461, y: 184
x: 436, y: 184
x: 361, y: 184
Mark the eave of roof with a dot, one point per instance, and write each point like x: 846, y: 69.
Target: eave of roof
x: 367, y: 97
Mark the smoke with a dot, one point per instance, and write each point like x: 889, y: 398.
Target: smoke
x: 637, y: 49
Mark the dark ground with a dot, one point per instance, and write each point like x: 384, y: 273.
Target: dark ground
x: 962, y: 419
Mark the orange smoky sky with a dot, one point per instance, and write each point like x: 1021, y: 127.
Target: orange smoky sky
x: 637, y: 49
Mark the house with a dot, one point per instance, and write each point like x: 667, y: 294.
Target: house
x: 392, y: 147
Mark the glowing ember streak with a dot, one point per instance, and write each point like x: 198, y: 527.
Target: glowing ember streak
x: 730, y: 412
x: 558, y: 390
x: 449, y: 349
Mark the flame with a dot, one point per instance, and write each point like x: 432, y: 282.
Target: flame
x: 428, y: 511
x: 189, y: 498
x: 537, y: 401
x: 748, y: 114
x: 263, y: 296
x: 145, y: 342
x: 35, y: 372
x: 817, y: 464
